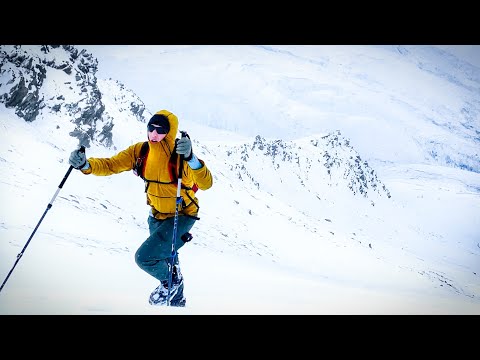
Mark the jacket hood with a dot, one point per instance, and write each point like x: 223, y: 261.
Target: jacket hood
x: 172, y: 133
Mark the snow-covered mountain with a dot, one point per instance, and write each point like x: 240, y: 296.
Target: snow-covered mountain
x: 41, y: 81
x: 310, y: 163
x: 297, y: 203
x: 101, y: 111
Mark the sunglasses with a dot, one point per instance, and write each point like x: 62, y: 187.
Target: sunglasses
x: 160, y: 130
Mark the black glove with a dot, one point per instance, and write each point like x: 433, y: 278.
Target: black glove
x: 184, y: 147
x: 78, y: 160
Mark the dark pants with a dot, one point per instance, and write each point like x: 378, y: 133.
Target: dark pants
x: 154, y: 255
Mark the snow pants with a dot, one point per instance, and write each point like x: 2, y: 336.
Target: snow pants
x: 154, y: 255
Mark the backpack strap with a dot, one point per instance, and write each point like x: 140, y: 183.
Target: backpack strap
x: 173, y: 167
x: 139, y: 168
x: 173, y: 170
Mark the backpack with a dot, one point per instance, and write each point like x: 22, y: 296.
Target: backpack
x: 139, y: 170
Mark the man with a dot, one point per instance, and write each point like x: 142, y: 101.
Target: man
x: 160, y: 173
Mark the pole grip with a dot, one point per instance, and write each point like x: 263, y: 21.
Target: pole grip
x: 180, y: 169
x: 82, y: 149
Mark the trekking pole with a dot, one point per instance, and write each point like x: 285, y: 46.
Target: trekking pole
x: 175, y: 221
x: 82, y: 149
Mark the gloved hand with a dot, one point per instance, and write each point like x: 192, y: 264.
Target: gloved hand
x: 78, y: 160
x: 184, y: 147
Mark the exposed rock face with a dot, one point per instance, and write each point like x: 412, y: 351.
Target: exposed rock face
x: 313, y: 162
x: 59, y: 79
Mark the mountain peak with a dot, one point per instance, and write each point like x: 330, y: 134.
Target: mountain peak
x: 316, y: 163
x: 60, y: 80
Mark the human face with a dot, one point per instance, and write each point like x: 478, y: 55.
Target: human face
x: 154, y: 136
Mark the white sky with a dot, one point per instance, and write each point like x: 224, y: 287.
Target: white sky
x: 276, y: 249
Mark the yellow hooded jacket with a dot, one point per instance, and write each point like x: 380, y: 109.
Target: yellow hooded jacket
x: 160, y: 196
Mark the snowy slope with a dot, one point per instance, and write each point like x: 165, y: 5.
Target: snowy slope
x: 304, y: 225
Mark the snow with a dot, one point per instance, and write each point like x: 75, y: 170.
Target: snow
x: 296, y: 243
